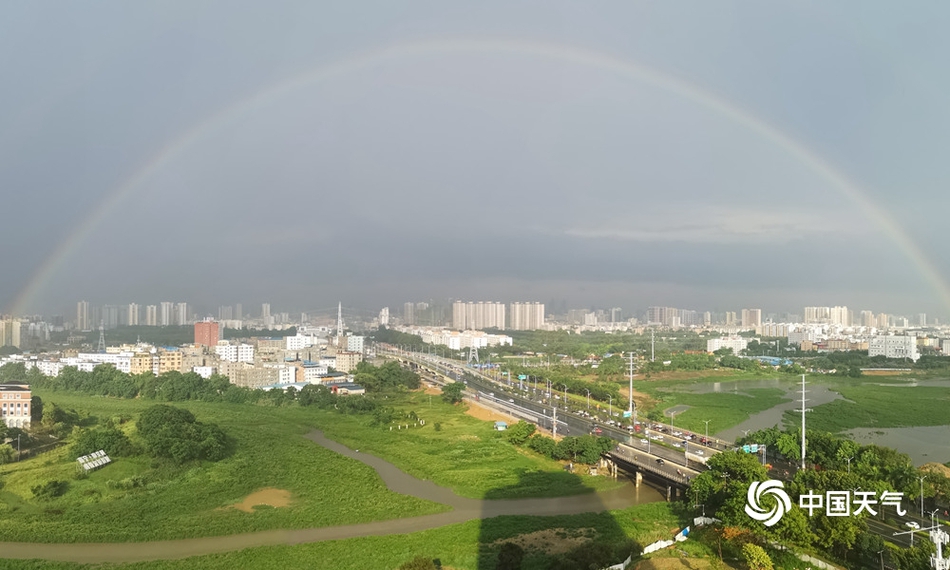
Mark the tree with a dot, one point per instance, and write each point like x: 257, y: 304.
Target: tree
x: 756, y: 558
x: 174, y: 433
x: 36, y: 409
x: 112, y: 441
x: 519, y: 433
x: 7, y: 454
x: 510, y: 557
x: 452, y: 393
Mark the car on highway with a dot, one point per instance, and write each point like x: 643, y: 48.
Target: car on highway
x: 660, y: 461
x: 596, y: 431
x: 912, y: 525
x: 644, y: 442
x: 700, y: 451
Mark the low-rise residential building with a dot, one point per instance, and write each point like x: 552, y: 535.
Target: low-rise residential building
x: 346, y: 361
x: 894, y: 346
x: 736, y: 343
x: 15, y: 405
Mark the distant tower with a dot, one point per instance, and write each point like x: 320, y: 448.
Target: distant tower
x: 473, y: 353
x: 339, y: 324
x: 102, y: 337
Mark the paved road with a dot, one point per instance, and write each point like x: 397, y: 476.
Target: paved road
x: 464, y: 509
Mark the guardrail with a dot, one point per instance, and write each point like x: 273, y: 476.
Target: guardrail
x: 620, y: 453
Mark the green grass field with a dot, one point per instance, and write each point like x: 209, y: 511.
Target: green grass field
x: 722, y: 409
x: 192, y: 500
x: 468, y: 546
x: 327, y: 489
x: 467, y: 455
x: 873, y: 406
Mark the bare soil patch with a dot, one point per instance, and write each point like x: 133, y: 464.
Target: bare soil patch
x: 270, y: 496
x: 552, y: 540
x: 481, y: 412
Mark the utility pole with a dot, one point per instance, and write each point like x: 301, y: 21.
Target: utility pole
x: 803, y: 410
x: 652, y: 345
x: 554, y: 424
x: 633, y: 418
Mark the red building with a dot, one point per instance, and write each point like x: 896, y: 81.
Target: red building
x: 206, y: 333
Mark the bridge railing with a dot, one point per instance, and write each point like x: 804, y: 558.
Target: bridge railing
x: 645, y: 465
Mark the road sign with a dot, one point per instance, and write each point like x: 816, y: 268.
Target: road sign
x: 522, y: 377
x: 627, y: 414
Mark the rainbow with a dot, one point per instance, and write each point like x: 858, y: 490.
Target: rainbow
x: 558, y: 52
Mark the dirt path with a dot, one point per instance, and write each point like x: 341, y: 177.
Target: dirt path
x: 464, y: 509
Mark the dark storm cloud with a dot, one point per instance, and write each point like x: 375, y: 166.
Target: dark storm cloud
x: 469, y: 174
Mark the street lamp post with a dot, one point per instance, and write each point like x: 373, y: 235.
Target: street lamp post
x: 848, y: 459
x: 672, y: 415
x: 565, y: 396
x: 588, y: 399
x: 17, y: 447
x: 921, y: 496
x: 610, y: 406
x: 707, y: 431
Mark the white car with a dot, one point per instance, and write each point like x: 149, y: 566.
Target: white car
x: 912, y: 525
x: 644, y: 442
x: 677, y: 433
x: 698, y: 452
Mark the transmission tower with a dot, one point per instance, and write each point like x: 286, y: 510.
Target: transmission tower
x: 102, y: 338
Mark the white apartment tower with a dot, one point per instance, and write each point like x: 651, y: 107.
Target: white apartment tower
x: 478, y: 316
x: 384, y: 317
x: 132, y: 317
x: 166, y: 314
x: 151, y: 315
x: 181, y: 314
x: 82, y: 316
x: 525, y: 316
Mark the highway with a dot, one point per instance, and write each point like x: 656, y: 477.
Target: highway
x: 534, y: 406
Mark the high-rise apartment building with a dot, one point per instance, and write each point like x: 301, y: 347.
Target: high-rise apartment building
x: 384, y: 317
x: 478, y: 316
x: 840, y: 316
x: 409, y: 313
x: 166, y: 316
x: 206, y: 333
x: 82, y: 316
x: 181, y: 314
x: 132, y: 315
x: 265, y: 310
x: 867, y: 319
x: 225, y: 313
x: 616, y: 315
x: 524, y: 316
x: 751, y: 318
x: 922, y: 319
x: 151, y: 315
x: 110, y: 317
x: 239, y: 312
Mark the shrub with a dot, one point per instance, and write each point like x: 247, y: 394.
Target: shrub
x: 50, y: 490
x: 173, y: 433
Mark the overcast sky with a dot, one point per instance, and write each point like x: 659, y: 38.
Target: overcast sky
x: 602, y: 154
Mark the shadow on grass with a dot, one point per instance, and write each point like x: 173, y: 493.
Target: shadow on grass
x: 569, y: 532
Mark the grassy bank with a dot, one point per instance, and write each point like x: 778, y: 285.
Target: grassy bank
x: 138, y: 498
x: 873, y: 406
x: 193, y: 500
x: 468, y: 546
x: 466, y: 454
